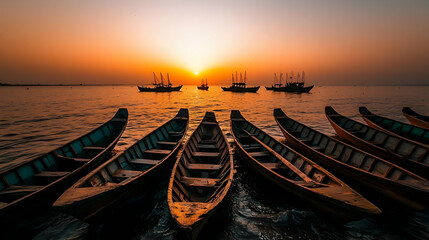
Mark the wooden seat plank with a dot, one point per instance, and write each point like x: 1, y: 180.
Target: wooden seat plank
x: 208, y: 141
x: 199, y: 182
x: 206, y: 154
x: 204, y: 166
x: 259, y: 154
x: 157, y: 151
x: 207, y: 146
x: 273, y: 166
x: 145, y: 161
x: 166, y: 143
x: 54, y: 174
x: 93, y: 148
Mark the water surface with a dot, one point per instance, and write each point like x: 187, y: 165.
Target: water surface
x: 34, y: 120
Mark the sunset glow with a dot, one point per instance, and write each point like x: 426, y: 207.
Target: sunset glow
x: 358, y: 42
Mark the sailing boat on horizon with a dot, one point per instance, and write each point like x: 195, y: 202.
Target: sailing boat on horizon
x: 240, y: 85
x: 160, y: 86
x: 294, y: 85
x: 203, y: 86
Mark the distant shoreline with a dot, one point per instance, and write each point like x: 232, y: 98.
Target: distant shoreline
x: 57, y: 85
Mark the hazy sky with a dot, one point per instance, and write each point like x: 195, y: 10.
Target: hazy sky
x: 335, y: 41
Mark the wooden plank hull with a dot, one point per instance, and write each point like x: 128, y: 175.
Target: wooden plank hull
x: 293, y: 89
x: 325, y: 193
x: 401, y: 151
x: 415, y: 118
x: 59, y: 159
x: 201, y: 177
x: 356, y: 166
x: 203, y: 87
x: 241, y: 89
x: 411, y: 132
x: 159, y: 89
x: 125, y: 174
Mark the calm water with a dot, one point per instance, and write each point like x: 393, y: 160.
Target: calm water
x: 38, y: 119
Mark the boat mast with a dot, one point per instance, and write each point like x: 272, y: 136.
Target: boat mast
x: 154, y: 78
x: 241, y: 77
x: 303, y: 76
x: 245, y: 78
x: 280, y: 81
x: 168, y: 80
x: 287, y: 77
x: 232, y: 75
x: 236, y: 77
x: 297, y: 78
x: 275, y: 79
x: 162, y: 79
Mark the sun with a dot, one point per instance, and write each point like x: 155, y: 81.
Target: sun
x: 196, y: 73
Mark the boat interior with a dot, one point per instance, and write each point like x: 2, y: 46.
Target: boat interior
x: 339, y: 151
x: 401, y: 146
x: 204, y: 168
x: 34, y: 175
x: 406, y: 130
x: 143, y: 155
x: 260, y: 146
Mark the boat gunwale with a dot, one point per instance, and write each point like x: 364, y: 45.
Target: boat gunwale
x: 308, y: 191
x: 366, y: 116
x: 219, y: 199
x: 72, y: 173
x: 376, y: 158
x: 115, y: 158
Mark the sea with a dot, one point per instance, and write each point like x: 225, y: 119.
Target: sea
x: 37, y: 119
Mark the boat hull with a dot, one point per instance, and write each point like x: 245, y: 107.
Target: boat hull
x: 420, y: 168
x: 43, y: 198
x: 400, y: 191
x: 203, y: 88
x: 293, y: 89
x: 126, y: 174
x: 239, y: 89
x: 327, y: 197
x: 415, y: 118
x: 411, y: 132
x: 160, y: 89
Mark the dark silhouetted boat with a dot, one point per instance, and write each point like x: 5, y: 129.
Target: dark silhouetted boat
x: 277, y: 83
x: 297, y: 174
x: 415, y: 118
x: 354, y: 165
x: 401, y: 151
x: 201, y: 177
x: 40, y: 181
x: 405, y: 130
x: 240, y: 85
x: 294, y: 85
x: 204, y: 85
x: 160, y: 86
x: 133, y: 170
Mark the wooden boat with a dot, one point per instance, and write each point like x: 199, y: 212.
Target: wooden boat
x: 160, y: 86
x: 201, y: 177
x: 139, y: 166
x: 277, y: 83
x: 41, y: 180
x: 415, y: 118
x: 398, y: 150
x: 405, y: 130
x: 296, y: 86
x: 355, y: 165
x: 240, y: 85
x: 204, y: 85
x: 297, y: 174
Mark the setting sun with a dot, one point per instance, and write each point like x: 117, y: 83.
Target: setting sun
x: 196, y: 73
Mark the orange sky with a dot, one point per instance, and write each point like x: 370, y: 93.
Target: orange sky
x: 335, y: 42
